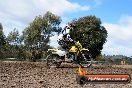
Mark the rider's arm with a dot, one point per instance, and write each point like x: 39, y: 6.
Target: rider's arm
x: 64, y: 30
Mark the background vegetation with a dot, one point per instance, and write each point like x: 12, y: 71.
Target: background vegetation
x: 35, y: 38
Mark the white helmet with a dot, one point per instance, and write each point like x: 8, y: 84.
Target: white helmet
x: 60, y: 37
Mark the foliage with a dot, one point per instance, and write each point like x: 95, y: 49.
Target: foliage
x: 37, y: 35
x: 3, y: 43
x: 2, y: 36
x: 100, y: 57
x: 90, y: 33
x: 14, y: 37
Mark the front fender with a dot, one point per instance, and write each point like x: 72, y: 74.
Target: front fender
x: 56, y: 52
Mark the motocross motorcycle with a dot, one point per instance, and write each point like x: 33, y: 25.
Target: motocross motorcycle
x: 75, y: 55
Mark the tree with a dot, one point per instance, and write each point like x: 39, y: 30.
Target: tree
x: 14, y: 44
x: 100, y: 57
x: 90, y: 33
x: 37, y: 34
x: 3, y: 43
x: 2, y: 36
x: 14, y: 37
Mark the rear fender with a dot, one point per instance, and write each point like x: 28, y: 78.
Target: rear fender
x: 57, y: 52
x: 83, y: 49
x: 50, y: 51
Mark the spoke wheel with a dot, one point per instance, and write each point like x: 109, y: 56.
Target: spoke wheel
x: 52, y: 61
x: 86, y: 59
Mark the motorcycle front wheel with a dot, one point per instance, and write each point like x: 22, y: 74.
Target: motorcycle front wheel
x: 85, y: 59
x: 52, y: 61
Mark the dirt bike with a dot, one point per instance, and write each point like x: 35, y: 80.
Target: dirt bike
x: 75, y: 55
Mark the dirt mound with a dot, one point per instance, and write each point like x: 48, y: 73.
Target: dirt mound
x: 36, y: 75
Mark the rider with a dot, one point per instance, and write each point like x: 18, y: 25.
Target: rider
x: 65, y: 36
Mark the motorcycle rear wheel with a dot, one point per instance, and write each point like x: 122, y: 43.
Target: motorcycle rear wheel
x: 52, y: 61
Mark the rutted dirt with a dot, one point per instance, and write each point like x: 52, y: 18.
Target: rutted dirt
x: 36, y: 75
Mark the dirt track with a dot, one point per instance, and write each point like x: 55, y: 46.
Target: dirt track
x: 36, y: 75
